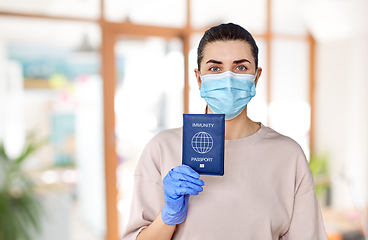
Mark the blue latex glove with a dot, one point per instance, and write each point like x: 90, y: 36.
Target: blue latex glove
x: 179, y: 184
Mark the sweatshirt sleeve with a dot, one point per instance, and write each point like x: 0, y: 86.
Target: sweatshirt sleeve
x: 306, y: 222
x: 148, y: 193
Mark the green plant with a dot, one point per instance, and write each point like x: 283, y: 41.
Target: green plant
x: 20, y: 209
x: 319, y: 167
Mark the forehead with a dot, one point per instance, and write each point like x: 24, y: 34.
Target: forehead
x: 227, y: 51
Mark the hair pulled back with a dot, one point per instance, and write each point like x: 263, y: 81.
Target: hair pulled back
x: 226, y: 32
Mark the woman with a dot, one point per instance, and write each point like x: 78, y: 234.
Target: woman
x: 267, y: 191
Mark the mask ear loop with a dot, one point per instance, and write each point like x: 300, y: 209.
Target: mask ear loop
x: 206, y: 109
x: 255, y: 75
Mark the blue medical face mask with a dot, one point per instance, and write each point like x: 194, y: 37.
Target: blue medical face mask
x: 228, y: 93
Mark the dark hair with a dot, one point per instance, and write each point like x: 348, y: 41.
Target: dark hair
x: 226, y: 32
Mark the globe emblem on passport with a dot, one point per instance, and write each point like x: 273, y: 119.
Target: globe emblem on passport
x: 202, y: 142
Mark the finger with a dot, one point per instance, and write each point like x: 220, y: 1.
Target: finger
x: 185, y: 178
x: 182, y: 187
x: 186, y: 190
x: 177, y: 188
x: 190, y: 185
x: 186, y: 170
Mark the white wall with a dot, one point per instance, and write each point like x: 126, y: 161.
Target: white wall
x: 90, y: 154
x: 341, y: 123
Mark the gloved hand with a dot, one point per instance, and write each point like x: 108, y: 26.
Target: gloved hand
x: 179, y: 183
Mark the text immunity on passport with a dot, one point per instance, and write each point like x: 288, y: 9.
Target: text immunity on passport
x: 203, y: 124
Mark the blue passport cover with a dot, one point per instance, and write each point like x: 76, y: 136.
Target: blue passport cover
x: 203, y: 142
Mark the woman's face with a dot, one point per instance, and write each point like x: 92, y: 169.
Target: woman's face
x: 222, y: 56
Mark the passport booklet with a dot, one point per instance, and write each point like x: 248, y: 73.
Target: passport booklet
x: 203, y: 143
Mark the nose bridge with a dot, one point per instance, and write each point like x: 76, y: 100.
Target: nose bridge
x: 228, y: 81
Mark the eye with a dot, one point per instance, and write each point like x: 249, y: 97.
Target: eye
x: 241, y: 68
x: 214, y: 69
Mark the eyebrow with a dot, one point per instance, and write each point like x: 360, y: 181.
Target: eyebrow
x: 241, y: 61
x: 214, y: 61
x: 236, y: 61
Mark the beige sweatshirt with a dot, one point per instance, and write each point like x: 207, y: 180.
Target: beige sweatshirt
x: 266, y: 193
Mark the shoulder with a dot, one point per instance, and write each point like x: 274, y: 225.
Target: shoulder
x: 283, y: 149
x: 278, y: 140
x: 168, y: 134
x: 290, y: 156
x: 163, y: 149
x: 166, y: 137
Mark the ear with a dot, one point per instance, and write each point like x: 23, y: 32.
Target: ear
x: 259, y: 72
x: 198, y: 77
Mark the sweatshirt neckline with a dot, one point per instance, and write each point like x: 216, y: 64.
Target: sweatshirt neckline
x: 255, y: 137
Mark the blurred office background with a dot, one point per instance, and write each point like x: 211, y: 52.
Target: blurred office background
x: 87, y: 83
